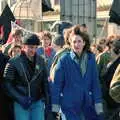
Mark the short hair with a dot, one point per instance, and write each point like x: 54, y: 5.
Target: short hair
x: 99, y: 48
x: 46, y: 34
x: 12, y: 48
x: 18, y: 32
x: 83, y: 25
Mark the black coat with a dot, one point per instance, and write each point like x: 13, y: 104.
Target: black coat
x: 21, y: 79
x: 5, y: 102
x: 107, y: 80
x: 3, y: 61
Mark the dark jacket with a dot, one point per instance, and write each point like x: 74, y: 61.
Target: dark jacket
x: 3, y: 61
x: 5, y: 102
x: 21, y: 79
x: 115, y: 85
x: 107, y: 80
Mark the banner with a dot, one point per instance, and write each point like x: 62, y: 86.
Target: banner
x: 5, y: 21
x: 25, y: 31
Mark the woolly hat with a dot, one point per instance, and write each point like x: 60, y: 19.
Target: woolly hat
x: 58, y: 40
x: 31, y: 40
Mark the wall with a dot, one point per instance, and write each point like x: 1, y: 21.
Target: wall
x: 79, y: 12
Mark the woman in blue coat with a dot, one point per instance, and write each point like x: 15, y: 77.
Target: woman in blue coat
x: 75, y: 84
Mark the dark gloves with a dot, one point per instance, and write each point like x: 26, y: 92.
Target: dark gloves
x: 53, y: 116
x: 26, y: 102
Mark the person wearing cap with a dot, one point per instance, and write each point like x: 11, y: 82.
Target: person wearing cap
x: 58, y: 42
x: 25, y: 81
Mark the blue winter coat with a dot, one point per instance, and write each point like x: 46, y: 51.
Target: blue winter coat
x: 48, y: 59
x: 72, y: 91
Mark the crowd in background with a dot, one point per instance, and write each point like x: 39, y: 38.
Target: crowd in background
x: 70, y: 77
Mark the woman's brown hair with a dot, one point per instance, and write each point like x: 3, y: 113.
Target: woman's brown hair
x: 85, y: 37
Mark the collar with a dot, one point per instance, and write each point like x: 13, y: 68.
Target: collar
x: 72, y: 55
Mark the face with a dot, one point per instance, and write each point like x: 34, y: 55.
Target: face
x: 77, y: 44
x: 18, y: 39
x: 16, y: 51
x: 46, y: 41
x: 30, y: 50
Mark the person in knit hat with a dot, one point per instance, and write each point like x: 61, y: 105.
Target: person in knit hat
x: 25, y: 81
x: 31, y: 40
x: 58, y: 42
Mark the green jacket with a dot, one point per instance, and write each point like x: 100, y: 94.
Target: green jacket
x: 56, y: 58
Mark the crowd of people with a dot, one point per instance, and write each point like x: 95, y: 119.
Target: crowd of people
x: 59, y: 77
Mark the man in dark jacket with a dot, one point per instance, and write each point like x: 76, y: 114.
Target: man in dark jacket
x: 25, y: 81
x: 111, y: 104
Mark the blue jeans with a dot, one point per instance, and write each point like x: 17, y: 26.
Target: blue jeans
x: 35, y: 112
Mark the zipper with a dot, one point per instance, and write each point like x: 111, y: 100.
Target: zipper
x: 35, y: 77
x: 29, y: 82
x: 29, y: 93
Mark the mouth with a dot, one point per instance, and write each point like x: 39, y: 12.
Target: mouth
x: 77, y: 48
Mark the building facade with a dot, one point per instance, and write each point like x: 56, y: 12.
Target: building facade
x: 98, y: 22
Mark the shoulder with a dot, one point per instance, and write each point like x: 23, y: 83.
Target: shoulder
x: 62, y: 52
x: 40, y: 57
x: 15, y: 59
x: 65, y: 57
x: 91, y: 55
x: 3, y: 56
x: 40, y: 50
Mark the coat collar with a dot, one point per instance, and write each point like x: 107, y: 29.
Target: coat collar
x: 72, y: 55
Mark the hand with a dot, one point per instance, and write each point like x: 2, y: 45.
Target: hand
x: 26, y: 102
x: 53, y: 116
x: 99, y: 108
